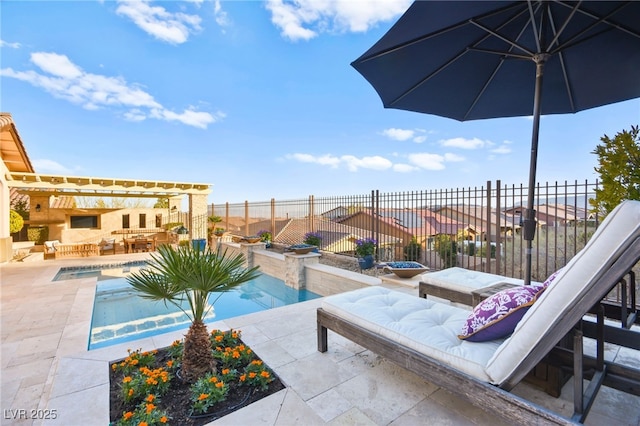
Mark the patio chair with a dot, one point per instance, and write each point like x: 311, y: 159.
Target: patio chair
x: 107, y: 245
x: 422, y: 334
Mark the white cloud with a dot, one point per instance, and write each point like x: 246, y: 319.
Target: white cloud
x: 398, y: 134
x: 10, y: 45
x: 166, y: 26
x: 427, y: 161
x: 50, y: 166
x: 352, y: 163
x: 220, y: 15
x: 463, y: 143
x: 405, y: 134
x: 304, y: 19
x: 505, y: 148
x: 502, y: 149
x: 404, y: 168
x: 449, y: 157
x: 65, y: 80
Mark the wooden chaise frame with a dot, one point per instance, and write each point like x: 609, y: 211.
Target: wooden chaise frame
x: 498, y: 400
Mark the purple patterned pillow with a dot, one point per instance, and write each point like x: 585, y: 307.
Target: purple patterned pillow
x: 498, y: 315
x: 551, y: 278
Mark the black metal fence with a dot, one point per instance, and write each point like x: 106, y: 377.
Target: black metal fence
x: 475, y: 228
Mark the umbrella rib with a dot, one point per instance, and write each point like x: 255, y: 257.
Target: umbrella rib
x: 501, y: 37
x: 561, y: 55
x: 564, y: 26
x: 599, y: 20
x: 430, y: 35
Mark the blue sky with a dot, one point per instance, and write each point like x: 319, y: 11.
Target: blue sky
x: 256, y: 98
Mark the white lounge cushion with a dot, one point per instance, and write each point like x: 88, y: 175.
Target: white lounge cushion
x: 428, y: 327
x: 465, y: 280
x: 579, y: 276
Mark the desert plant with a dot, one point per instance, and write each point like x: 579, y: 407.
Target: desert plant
x: 187, y: 275
x: 413, y: 250
x: 16, y: 222
x: 447, y: 249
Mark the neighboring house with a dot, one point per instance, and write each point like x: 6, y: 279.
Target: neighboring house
x: 405, y: 224
x: 476, y: 218
x: 555, y: 215
x: 336, y: 237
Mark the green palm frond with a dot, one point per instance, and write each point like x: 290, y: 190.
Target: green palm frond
x: 174, y: 275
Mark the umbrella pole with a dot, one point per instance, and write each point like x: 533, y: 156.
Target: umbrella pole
x: 530, y: 213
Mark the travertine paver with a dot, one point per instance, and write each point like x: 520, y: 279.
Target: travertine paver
x: 46, y: 368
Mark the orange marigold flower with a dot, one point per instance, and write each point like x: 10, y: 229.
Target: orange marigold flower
x: 127, y: 379
x: 150, y: 408
x: 130, y: 392
x: 236, y: 354
x: 256, y: 362
x: 252, y: 375
x: 234, y: 335
x: 134, y: 362
x: 170, y: 363
x: 203, y: 396
x: 151, y: 397
x: 219, y: 338
x: 143, y: 423
x: 225, y: 371
x: 243, y: 377
x: 127, y: 415
x: 163, y: 419
x: 265, y: 374
x: 214, y: 379
x: 114, y: 366
x: 220, y: 384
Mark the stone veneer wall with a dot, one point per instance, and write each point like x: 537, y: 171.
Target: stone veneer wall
x: 301, y: 271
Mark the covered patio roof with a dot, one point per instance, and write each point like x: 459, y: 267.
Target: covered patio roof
x: 100, y: 186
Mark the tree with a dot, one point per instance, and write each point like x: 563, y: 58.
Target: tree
x: 619, y: 169
x: 447, y: 248
x: 187, y: 275
x: 161, y: 203
x: 16, y: 222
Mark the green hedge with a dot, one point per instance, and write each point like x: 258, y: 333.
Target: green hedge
x: 38, y: 234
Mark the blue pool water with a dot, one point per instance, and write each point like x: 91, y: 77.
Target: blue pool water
x: 119, y: 315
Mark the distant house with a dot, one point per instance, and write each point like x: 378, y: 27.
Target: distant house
x: 477, y: 218
x: 555, y: 215
x: 403, y: 225
x: 335, y: 237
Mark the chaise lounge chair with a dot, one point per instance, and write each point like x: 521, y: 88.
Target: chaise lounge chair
x: 422, y: 335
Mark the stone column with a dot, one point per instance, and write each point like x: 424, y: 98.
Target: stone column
x: 294, y: 268
x: 198, y: 220
x: 247, y: 250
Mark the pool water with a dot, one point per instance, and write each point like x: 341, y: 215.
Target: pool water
x: 120, y: 315
x: 103, y: 272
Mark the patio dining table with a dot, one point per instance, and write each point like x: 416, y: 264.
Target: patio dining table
x: 132, y: 245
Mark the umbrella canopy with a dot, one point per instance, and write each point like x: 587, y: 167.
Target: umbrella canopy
x: 471, y: 60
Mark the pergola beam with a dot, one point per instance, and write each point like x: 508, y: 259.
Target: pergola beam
x: 101, y: 187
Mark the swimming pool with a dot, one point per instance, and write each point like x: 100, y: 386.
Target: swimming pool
x: 107, y: 271
x: 120, y: 315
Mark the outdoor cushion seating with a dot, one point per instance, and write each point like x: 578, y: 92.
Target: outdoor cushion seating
x: 107, y: 245
x: 50, y: 249
x: 422, y: 334
x: 457, y: 284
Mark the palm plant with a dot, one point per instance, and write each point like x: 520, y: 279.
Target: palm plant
x: 186, y: 275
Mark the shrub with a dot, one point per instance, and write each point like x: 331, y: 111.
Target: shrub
x: 38, y: 234
x: 447, y: 249
x: 365, y: 247
x: 413, y: 250
x: 16, y: 222
x: 312, y: 238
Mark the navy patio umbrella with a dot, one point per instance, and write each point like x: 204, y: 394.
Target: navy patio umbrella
x: 470, y: 60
